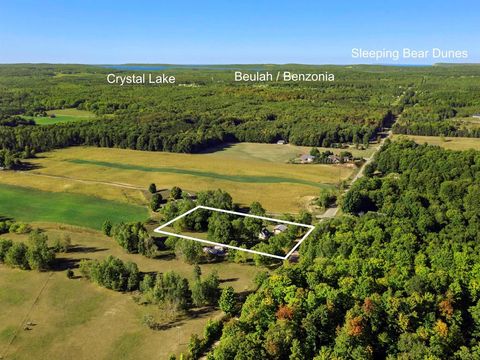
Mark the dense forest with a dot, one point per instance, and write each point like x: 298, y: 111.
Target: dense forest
x: 400, y: 282
x: 206, y: 107
x: 443, y: 105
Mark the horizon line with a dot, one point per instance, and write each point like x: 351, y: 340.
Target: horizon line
x: 238, y: 64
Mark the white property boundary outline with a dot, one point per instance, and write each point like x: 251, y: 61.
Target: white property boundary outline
x: 310, y: 229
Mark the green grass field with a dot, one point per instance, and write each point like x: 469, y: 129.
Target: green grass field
x: 62, y: 116
x: 26, y: 204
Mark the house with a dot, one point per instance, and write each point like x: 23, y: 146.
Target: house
x: 281, y: 142
x: 278, y: 229
x: 307, y: 159
x: 477, y: 116
x: 334, y: 159
x: 216, y: 250
x: 264, y: 234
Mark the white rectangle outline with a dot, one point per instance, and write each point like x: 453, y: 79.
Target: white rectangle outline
x: 310, y: 227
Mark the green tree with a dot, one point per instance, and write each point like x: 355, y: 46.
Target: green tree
x: 188, y: 250
x: 107, y: 227
x: 197, y: 272
x: 220, y: 228
x: 152, y: 188
x: 156, y: 201
x: 195, y: 346
x: 227, y: 302
x: 176, y: 193
x: 16, y: 256
x: 315, y: 152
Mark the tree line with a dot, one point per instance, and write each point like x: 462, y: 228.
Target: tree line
x: 401, y: 281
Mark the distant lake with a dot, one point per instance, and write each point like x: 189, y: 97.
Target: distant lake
x: 176, y: 67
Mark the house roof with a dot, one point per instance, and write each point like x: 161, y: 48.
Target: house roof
x: 307, y: 157
x: 280, y: 227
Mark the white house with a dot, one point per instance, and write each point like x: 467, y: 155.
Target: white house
x: 307, y: 159
x: 278, y: 229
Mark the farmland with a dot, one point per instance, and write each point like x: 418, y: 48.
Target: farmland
x: 117, y: 174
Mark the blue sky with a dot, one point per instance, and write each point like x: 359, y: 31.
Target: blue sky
x: 221, y: 32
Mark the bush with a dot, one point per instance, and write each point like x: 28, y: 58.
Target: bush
x: 19, y: 228
x: 63, y: 244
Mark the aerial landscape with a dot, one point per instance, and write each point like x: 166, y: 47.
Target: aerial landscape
x: 185, y: 204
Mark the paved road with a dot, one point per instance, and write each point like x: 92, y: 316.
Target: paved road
x: 332, y: 212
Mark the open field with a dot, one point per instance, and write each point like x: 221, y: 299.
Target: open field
x: 62, y: 116
x: 27, y: 204
x: 452, y: 143
x: 96, y: 323
x: 280, y: 187
x: 277, y: 153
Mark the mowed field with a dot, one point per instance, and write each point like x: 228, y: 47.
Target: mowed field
x: 62, y: 116
x: 27, y: 204
x: 277, y: 153
x: 74, y: 317
x: 452, y: 143
x: 249, y: 172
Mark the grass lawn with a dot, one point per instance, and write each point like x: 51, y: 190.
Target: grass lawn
x: 27, y: 204
x: 280, y: 187
x: 81, y: 318
x: 62, y: 116
x: 452, y: 143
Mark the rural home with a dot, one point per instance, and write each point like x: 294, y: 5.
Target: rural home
x: 307, y: 159
x: 279, y: 229
x: 281, y: 142
x: 337, y: 159
x: 477, y: 116
x: 216, y: 250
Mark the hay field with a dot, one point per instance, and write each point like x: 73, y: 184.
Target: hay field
x: 279, y: 186
x: 95, y: 323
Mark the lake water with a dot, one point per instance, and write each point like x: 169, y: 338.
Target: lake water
x: 176, y: 67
